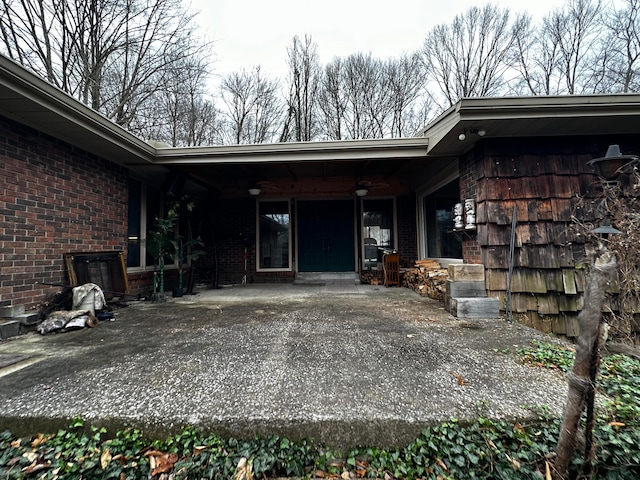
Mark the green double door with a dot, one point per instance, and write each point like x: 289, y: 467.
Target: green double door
x: 326, y: 236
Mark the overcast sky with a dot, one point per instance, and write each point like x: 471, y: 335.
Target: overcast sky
x: 247, y: 33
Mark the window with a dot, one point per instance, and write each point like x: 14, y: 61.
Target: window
x: 274, y: 235
x: 378, y: 230
x: 144, y: 207
x: 134, y: 249
x: 438, y: 222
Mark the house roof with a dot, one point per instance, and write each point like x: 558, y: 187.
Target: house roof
x: 537, y: 116
x: 398, y: 162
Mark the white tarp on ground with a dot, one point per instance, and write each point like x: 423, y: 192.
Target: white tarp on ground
x: 87, y: 299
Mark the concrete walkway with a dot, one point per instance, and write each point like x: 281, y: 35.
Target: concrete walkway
x: 343, y: 363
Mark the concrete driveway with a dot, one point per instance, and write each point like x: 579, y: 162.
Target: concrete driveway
x: 344, y: 364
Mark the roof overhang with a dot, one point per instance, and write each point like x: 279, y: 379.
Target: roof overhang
x: 538, y: 116
x: 402, y: 164
x: 27, y: 99
x: 324, y: 168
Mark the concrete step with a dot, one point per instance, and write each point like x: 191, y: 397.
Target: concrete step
x: 27, y: 318
x: 465, y: 289
x: 10, y: 311
x: 9, y: 328
x: 324, y: 278
x: 466, y: 272
x: 487, y: 307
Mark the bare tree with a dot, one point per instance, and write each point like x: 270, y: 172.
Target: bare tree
x: 576, y: 31
x: 112, y: 55
x: 623, y: 25
x: 331, y: 101
x: 182, y: 114
x: 253, y: 108
x: 405, y: 81
x: 304, y: 81
x: 364, y: 97
x: 536, y: 59
x: 469, y: 57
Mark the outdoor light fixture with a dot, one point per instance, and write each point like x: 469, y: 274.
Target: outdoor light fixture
x: 480, y: 133
x: 361, y: 192
x: 254, y: 192
x: 606, y: 229
x: 612, y: 164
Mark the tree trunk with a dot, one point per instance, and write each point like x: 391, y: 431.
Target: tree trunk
x: 582, y: 376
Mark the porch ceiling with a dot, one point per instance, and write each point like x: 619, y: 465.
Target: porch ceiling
x: 386, y: 167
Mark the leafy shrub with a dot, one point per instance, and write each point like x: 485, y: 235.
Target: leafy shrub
x: 483, y: 449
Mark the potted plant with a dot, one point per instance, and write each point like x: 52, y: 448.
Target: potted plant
x: 160, y: 247
x: 166, y: 243
x: 185, y: 251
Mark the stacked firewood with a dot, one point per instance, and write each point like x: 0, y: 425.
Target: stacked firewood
x: 427, y: 278
x: 371, y: 277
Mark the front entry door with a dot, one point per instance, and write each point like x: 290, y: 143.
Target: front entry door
x: 325, y: 236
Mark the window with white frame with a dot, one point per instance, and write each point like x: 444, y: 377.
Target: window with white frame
x: 274, y: 235
x: 378, y: 229
x: 144, y: 207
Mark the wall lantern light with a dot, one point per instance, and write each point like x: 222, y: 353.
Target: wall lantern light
x: 612, y: 164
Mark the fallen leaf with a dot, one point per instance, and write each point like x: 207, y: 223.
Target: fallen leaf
x: 244, y: 470
x: 160, y: 462
x: 514, y: 463
x: 31, y: 456
x: 518, y: 427
x: 442, y: 464
x: 105, y: 459
x: 616, y: 424
x: 319, y: 474
x: 361, y: 468
x: 459, y: 378
x: 16, y: 443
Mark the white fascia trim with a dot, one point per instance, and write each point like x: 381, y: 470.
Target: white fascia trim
x: 296, y: 151
x: 31, y: 87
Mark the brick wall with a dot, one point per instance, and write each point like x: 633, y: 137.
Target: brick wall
x: 54, y: 199
x: 471, y: 252
x: 229, y: 222
x: 229, y: 225
x: 407, y: 230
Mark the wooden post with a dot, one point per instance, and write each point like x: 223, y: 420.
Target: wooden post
x: 582, y: 376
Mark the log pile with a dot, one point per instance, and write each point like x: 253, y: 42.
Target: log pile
x: 427, y: 278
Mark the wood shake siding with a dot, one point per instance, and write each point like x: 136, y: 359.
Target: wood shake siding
x: 549, y: 274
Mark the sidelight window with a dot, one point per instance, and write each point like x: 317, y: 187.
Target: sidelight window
x: 274, y: 235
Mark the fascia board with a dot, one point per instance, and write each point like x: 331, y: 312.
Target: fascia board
x: 541, y: 107
x: 31, y: 89
x: 296, y: 151
x: 475, y: 110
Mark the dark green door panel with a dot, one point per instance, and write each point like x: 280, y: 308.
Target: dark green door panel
x: 325, y: 236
